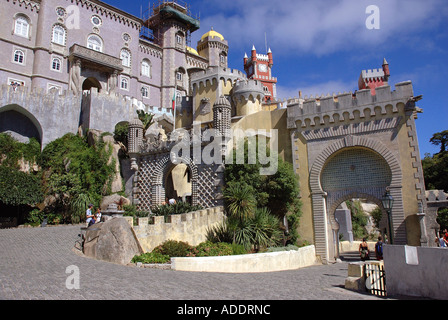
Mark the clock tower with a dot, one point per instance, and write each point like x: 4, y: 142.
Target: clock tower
x: 259, y: 67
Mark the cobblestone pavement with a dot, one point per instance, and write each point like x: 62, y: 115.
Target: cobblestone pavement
x: 33, y: 265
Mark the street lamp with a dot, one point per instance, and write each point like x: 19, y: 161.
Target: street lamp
x: 388, y: 203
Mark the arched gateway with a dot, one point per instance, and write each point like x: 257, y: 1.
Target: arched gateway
x: 355, y: 145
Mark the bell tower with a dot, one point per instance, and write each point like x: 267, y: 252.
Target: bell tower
x: 259, y: 67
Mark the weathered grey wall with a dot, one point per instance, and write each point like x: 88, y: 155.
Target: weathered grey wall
x: 416, y: 271
x: 53, y: 115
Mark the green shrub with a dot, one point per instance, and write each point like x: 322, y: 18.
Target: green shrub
x: 151, y: 257
x: 173, y: 248
x: 209, y: 249
x: 177, y: 208
x: 238, y: 249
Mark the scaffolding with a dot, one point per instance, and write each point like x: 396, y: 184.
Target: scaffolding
x: 151, y: 17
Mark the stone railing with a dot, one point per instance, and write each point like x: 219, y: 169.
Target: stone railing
x: 188, y: 227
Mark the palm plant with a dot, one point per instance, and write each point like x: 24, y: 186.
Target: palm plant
x: 240, y: 201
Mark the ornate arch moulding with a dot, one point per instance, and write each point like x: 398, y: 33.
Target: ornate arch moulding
x: 161, y: 171
x: 354, y: 141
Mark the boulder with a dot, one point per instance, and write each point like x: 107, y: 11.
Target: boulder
x: 112, y: 241
x: 114, y: 199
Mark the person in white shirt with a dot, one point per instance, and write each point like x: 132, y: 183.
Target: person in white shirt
x: 90, y: 218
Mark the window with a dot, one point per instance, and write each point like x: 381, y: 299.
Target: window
x: 95, y: 43
x: 125, y: 57
x: 22, y: 27
x: 179, y: 76
x: 53, y: 88
x: 146, y: 68
x: 59, y: 35
x: 56, y: 64
x: 19, y: 56
x: 179, y: 39
x: 124, y: 84
x: 15, y: 83
x: 145, y: 92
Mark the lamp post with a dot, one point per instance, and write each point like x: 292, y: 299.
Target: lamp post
x: 388, y: 203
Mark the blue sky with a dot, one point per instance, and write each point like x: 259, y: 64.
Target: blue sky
x: 321, y: 46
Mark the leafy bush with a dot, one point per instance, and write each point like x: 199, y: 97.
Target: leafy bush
x: 177, y: 208
x: 261, y: 231
x: 76, y: 174
x: 173, y: 248
x: 19, y: 188
x: 151, y: 257
x: 278, y: 192
x: 209, y: 249
x: 12, y: 151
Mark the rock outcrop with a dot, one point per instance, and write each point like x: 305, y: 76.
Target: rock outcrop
x: 112, y: 241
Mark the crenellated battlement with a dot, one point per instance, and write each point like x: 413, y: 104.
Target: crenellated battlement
x: 309, y: 112
x: 244, y: 89
x: 216, y: 73
x: 153, y: 231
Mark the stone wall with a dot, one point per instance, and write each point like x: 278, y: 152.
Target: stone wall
x: 188, y: 227
x: 250, y: 263
x: 416, y: 271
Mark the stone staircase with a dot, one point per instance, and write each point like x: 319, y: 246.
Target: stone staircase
x: 353, y: 256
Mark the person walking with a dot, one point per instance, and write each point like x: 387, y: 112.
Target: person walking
x: 379, y: 249
x: 364, y: 250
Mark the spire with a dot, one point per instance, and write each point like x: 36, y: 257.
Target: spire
x: 385, y: 62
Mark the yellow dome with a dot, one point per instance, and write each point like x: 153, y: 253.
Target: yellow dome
x: 191, y: 50
x: 212, y: 33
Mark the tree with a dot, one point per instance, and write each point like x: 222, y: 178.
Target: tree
x: 146, y: 119
x: 440, y: 139
x: 279, y: 192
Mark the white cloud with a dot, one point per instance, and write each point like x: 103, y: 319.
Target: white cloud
x: 319, y: 89
x: 320, y: 27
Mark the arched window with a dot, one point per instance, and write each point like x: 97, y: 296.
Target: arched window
x: 19, y: 56
x: 146, y: 68
x: 56, y: 64
x: 95, y: 43
x: 125, y: 57
x: 145, y: 92
x: 124, y: 84
x: 59, y: 35
x: 22, y: 26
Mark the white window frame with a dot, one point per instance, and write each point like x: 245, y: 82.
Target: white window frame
x: 15, y: 54
x: 145, y: 92
x: 12, y: 80
x: 52, y: 66
x: 146, y: 68
x: 125, y: 56
x: 93, y: 45
x: 179, y: 76
x: 22, y: 26
x: 52, y: 85
x: 124, y: 83
x: 58, y: 37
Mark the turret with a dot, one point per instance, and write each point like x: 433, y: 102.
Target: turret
x: 135, y: 140
x: 271, y: 60
x: 254, y: 54
x: 386, y: 69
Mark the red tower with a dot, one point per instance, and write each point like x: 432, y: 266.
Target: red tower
x: 259, y: 67
x: 372, y: 79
